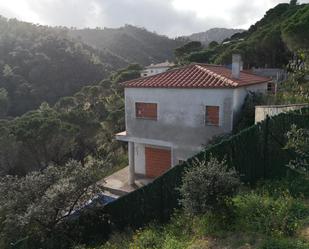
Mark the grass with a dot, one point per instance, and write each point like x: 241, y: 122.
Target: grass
x: 274, y: 215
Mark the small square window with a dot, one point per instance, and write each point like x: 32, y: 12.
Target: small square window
x: 212, y: 115
x: 271, y: 87
x: 146, y: 110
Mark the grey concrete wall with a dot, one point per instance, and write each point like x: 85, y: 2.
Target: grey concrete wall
x: 239, y: 97
x: 181, y: 118
x: 181, y: 113
x: 261, y: 112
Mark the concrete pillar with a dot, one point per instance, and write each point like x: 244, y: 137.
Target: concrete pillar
x: 131, y: 164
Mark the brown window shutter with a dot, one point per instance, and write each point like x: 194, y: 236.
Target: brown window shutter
x: 212, y: 115
x: 146, y: 110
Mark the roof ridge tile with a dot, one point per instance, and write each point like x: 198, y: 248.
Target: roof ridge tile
x: 197, y: 76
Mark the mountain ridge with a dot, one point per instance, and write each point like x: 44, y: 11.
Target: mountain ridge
x: 214, y: 34
x: 133, y: 44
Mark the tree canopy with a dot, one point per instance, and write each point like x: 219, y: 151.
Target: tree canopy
x: 40, y: 63
x: 270, y: 42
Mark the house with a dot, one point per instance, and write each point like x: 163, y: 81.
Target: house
x: 170, y: 116
x: 277, y: 75
x: 156, y: 68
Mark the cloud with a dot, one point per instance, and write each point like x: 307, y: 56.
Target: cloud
x: 170, y: 17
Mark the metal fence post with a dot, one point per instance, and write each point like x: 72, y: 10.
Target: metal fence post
x: 265, y: 149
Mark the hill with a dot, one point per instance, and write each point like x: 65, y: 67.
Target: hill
x: 270, y: 42
x: 132, y: 44
x: 215, y: 34
x: 40, y: 63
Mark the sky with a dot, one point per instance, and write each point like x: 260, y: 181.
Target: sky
x: 168, y: 17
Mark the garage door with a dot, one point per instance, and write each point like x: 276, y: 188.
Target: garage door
x: 157, y: 161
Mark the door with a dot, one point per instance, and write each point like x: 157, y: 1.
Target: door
x: 157, y: 161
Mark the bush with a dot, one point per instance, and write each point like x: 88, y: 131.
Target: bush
x: 208, y: 187
x: 180, y: 226
x: 149, y: 238
x: 270, y: 215
x: 297, y: 186
x: 171, y: 242
x: 284, y: 244
x: 298, y: 141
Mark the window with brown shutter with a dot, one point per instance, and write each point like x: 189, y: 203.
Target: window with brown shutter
x: 146, y: 110
x: 212, y: 115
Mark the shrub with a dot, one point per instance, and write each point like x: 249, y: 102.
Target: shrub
x: 148, y: 238
x: 180, y: 226
x: 208, y: 186
x: 171, y: 242
x: 118, y: 240
x: 297, y: 186
x: 284, y: 244
x: 200, y: 244
x: 213, y: 224
x: 269, y: 215
x: 298, y: 141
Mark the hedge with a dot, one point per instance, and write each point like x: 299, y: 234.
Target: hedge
x: 256, y: 152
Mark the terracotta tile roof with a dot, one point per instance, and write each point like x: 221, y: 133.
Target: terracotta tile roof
x: 197, y: 76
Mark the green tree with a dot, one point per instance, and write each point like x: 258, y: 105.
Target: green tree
x: 9, y: 151
x: 213, y: 44
x: 185, y: 50
x: 32, y: 207
x: 4, y: 102
x: 86, y: 137
x: 298, y: 141
x: 295, y: 31
x: 44, y: 138
x: 208, y: 186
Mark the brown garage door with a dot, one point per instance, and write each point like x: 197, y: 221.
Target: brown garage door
x: 157, y: 161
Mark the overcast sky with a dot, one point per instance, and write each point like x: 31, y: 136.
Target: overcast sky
x: 169, y: 17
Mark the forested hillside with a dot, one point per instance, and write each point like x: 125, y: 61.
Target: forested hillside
x: 215, y: 34
x: 133, y: 44
x: 268, y: 43
x: 39, y: 63
x: 79, y: 127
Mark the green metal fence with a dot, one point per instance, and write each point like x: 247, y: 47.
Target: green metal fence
x: 256, y: 152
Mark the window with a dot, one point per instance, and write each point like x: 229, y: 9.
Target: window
x: 146, y: 110
x: 271, y: 87
x: 212, y: 115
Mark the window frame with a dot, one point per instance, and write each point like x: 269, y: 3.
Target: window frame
x: 146, y: 118
x: 206, y: 115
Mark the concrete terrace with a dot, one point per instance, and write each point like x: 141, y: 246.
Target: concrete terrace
x: 117, y: 184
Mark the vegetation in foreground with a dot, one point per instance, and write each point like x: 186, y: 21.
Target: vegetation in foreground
x: 274, y: 215
x: 220, y: 213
